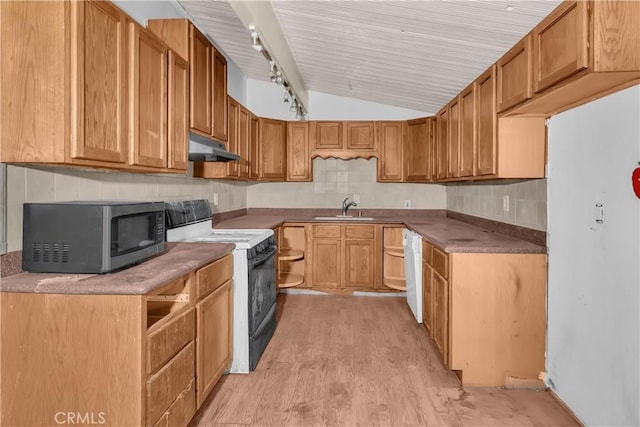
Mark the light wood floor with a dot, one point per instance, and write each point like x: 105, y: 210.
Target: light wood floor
x: 362, y: 361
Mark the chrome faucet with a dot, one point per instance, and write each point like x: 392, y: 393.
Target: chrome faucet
x: 346, y: 206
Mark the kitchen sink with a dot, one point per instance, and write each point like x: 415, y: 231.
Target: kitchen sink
x: 343, y: 218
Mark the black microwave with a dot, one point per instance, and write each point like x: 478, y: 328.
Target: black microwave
x: 90, y: 237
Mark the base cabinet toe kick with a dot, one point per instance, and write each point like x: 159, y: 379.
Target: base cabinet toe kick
x: 115, y: 360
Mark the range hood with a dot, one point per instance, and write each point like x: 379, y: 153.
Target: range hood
x: 203, y: 149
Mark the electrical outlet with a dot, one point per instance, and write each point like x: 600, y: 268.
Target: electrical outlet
x: 407, y: 204
x: 505, y: 203
x: 356, y: 198
x: 215, y: 199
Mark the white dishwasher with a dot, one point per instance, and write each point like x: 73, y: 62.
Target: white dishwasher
x: 412, y: 243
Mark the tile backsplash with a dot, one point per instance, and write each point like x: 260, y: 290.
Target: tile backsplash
x: 48, y: 184
x: 526, y: 205
x: 335, y: 179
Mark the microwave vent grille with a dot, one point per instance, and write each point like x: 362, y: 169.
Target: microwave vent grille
x: 50, y: 252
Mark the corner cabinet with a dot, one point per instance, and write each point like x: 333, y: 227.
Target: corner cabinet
x: 208, y: 110
x: 272, y: 150
x: 486, y: 313
x: 390, y: 144
x: 393, y: 270
x: 134, y: 359
x: 418, y: 139
x: 292, y: 247
x: 299, y: 166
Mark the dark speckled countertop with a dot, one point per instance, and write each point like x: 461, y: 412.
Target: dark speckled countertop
x: 446, y: 233
x: 177, y: 260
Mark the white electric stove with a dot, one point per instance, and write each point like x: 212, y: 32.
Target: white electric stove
x: 254, y: 280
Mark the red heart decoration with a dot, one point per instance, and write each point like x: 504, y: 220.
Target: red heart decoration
x: 635, y: 180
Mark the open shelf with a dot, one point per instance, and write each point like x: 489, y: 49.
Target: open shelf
x: 289, y: 280
x: 396, y: 251
x: 397, y: 283
x: 287, y: 254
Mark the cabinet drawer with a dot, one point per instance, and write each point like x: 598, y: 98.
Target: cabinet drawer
x: 326, y: 231
x: 165, y: 342
x: 427, y: 249
x: 440, y: 262
x: 183, y: 408
x: 359, y: 231
x: 212, y: 276
x: 165, y: 386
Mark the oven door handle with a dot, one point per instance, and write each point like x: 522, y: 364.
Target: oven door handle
x: 263, y: 257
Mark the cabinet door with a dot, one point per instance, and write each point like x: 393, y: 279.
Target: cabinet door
x: 442, y: 123
x: 560, y: 44
x: 427, y: 297
x: 244, y: 122
x: 440, y: 333
x: 213, y: 343
x: 148, y: 98
x: 359, y: 135
x: 233, y: 143
x: 359, y: 263
x: 102, y: 84
x: 219, y: 97
x: 273, y: 151
x: 514, y: 75
x: 298, y: 155
x: 328, y: 135
x: 390, y: 144
x: 326, y: 263
x: 453, y: 145
x: 200, y: 81
x: 416, y: 150
x: 467, y: 129
x: 178, y: 112
x: 254, y: 142
x: 485, y: 161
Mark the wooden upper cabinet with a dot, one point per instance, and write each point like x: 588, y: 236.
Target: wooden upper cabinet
x: 244, y: 141
x: 467, y: 129
x: 416, y: 150
x: 200, y: 54
x: 298, y: 152
x: 219, y: 97
x: 442, y: 124
x: 485, y: 160
x: 560, y: 44
x: 454, y: 139
x: 101, y: 88
x: 233, y: 144
x: 254, y: 142
x: 359, y: 135
x: 178, y: 112
x: 390, y: 164
x: 515, y: 75
x: 272, y: 150
x: 327, y: 135
x: 148, y: 98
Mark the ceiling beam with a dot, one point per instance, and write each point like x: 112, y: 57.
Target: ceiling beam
x: 260, y: 14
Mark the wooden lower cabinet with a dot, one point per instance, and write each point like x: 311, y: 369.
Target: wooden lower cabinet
x: 214, y: 343
x: 115, y: 360
x: 486, y: 314
x: 346, y: 257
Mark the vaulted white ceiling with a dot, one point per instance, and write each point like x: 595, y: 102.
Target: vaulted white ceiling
x: 416, y: 54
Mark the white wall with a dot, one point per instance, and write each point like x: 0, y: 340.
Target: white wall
x: 594, y: 277
x: 265, y: 99
x: 324, y: 106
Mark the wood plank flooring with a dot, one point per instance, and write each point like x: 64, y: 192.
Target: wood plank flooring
x: 362, y: 361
